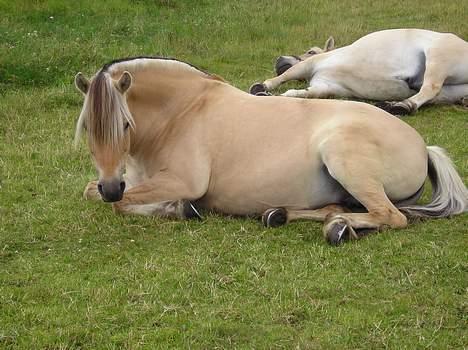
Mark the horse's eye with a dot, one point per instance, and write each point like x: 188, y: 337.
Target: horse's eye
x: 127, y: 124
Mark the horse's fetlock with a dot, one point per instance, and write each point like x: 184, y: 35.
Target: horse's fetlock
x: 464, y: 101
x: 188, y: 210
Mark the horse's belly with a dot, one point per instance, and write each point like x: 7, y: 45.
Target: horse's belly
x: 251, y: 195
x: 381, y: 90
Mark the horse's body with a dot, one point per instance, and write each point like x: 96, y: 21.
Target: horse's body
x: 412, y: 66
x: 194, y: 139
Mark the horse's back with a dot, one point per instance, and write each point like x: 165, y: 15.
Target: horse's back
x: 269, y: 151
x: 396, y: 66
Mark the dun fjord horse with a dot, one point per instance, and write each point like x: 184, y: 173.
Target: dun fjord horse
x: 410, y: 66
x: 189, y: 141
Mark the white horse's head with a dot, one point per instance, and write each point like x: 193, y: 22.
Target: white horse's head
x: 283, y: 63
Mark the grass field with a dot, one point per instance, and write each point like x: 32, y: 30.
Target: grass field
x: 75, y: 276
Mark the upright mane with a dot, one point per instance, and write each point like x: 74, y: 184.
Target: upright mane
x: 105, y: 110
x: 142, y: 62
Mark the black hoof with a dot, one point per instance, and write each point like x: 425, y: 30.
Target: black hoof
x: 337, y: 233
x: 190, y: 212
x: 257, y: 88
x: 394, y: 108
x: 275, y: 217
x: 464, y: 102
x: 263, y: 94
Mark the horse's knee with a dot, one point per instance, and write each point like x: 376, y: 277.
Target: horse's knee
x: 91, y: 191
x: 390, y: 217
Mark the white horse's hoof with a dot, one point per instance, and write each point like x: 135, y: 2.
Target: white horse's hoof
x: 395, y: 108
x: 464, y: 102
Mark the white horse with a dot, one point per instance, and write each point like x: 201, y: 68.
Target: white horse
x: 410, y: 67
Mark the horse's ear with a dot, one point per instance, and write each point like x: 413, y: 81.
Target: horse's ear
x: 124, y: 82
x: 329, y: 44
x: 82, y: 83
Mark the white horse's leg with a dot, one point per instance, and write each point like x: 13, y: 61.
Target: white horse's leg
x: 452, y: 94
x: 434, y: 77
x: 318, y: 89
x: 300, y: 71
x: 301, y: 93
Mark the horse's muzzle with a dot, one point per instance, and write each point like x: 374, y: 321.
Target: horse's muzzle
x: 283, y: 63
x: 111, y: 191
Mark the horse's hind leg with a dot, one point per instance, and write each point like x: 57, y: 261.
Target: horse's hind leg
x: 382, y: 213
x: 275, y: 217
x: 359, y: 176
x: 434, y: 77
x: 453, y: 94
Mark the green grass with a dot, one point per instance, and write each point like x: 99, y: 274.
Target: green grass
x: 75, y: 276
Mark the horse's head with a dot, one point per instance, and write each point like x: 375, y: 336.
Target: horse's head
x: 107, y: 121
x: 283, y: 63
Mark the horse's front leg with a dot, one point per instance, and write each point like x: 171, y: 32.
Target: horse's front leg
x: 91, y: 191
x: 318, y: 89
x: 166, y: 196
x: 300, y: 71
x: 176, y: 209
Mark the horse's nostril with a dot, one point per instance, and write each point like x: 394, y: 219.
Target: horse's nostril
x: 280, y: 69
x: 99, y: 187
x: 122, y: 186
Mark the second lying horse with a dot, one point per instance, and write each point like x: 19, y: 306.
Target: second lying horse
x: 408, y: 67
x: 189, y: 140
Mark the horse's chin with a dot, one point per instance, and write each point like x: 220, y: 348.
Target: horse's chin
x: 112, y: 200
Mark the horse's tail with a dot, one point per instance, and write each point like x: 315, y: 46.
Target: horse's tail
x: 449, y: 194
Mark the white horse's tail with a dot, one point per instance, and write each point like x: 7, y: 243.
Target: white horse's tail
x: 449, y: 194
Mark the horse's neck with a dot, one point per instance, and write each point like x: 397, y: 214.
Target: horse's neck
x: 155, y: 101
x: 324, y: 59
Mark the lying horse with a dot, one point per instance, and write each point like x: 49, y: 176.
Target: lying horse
x: 190, y: 141
x: 410, y: 66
